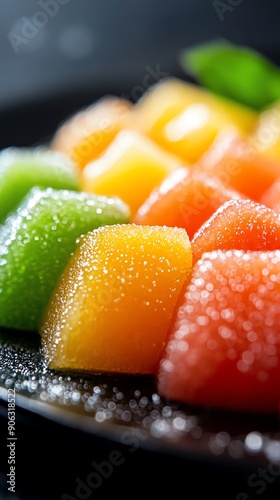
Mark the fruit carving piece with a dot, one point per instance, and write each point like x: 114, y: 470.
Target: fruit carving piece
x: 186, y: 198
x: 86, y: 134
x: 23, y: 168
x: 239, y: 225
x: 132, y: 166
x: 224, y: 345
x: 36, y: 243
x: 114, y: 303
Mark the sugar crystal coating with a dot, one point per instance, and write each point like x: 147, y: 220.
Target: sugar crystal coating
x: 114, y: 303
x: 36, y: 243
x: 239, y: 225
x: 224, y: 347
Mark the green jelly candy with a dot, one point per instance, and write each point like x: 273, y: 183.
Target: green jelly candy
x: 23, y: 168
x: 36, y: 242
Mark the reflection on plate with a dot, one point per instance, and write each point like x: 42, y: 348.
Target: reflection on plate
x: 109, y: 405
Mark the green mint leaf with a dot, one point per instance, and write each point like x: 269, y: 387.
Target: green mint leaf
x: 236, y: 72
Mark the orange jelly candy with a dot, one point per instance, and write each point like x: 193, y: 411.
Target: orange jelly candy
x: 186, y: 199
x: 86, y: 134
x: 114, y: 303
x: 241, y: 225
x: 238, y: 165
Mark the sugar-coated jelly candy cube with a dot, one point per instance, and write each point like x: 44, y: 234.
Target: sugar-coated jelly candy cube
x: 239, y: 225
x: 87, y: 133
x: 130, y: 168
x: 186, y: 198
x: 184, y: 118
x: 23, y: 168
x: 113, y: 305
x: 36, y: 243
x: 239, y: 165
x: 224, y: 343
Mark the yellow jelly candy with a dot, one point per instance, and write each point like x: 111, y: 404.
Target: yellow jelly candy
x: 130, y: 168
x: 185, y: 118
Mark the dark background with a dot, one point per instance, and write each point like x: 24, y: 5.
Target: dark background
x: 88, y: 48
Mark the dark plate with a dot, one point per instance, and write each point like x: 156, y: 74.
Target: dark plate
x: 78, y: 418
